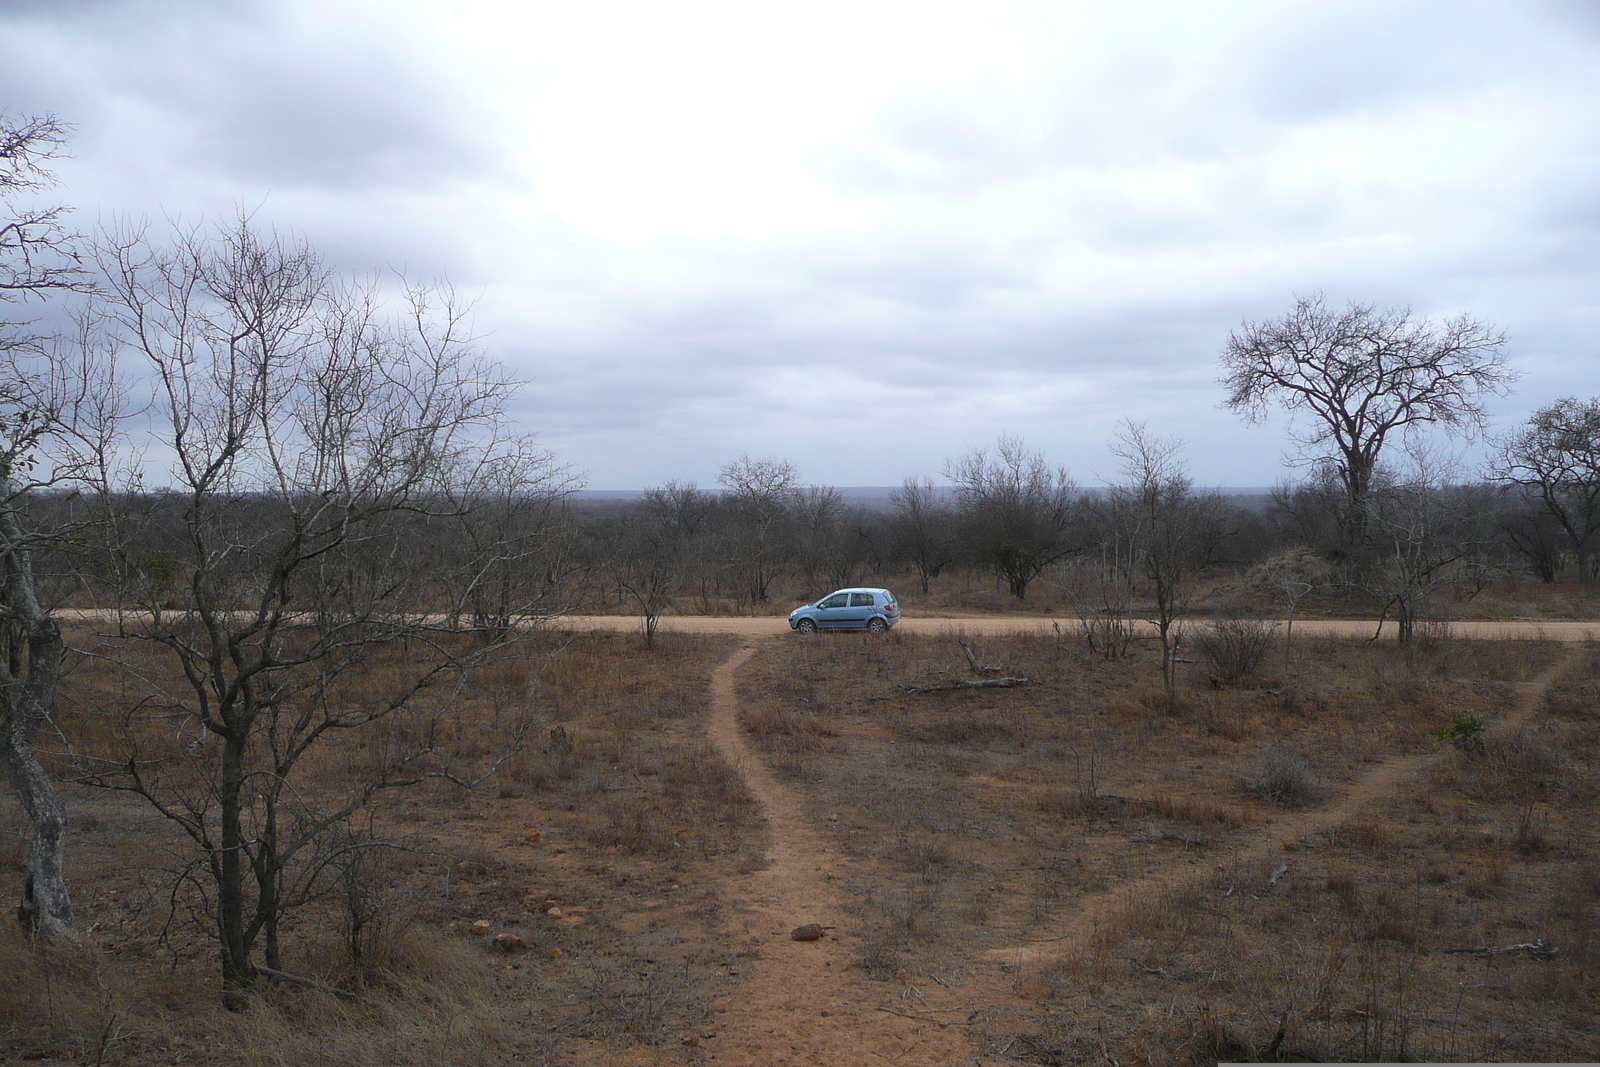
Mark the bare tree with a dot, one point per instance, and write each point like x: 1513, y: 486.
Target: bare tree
x: 1017, y: 511
x: 1362, y: 376
x: 1534, y: 534
x: 657, y: 540
x: 816, y: 513
x: 56, y: 422
x: 922, y: 528
x: 759, y: 495
x: 1169, y: 533
x: 503, y: 552
x: 315, y: 445
x: 41, y: 418
x: 1417, y: 520
x: 1556, y: 457
x: 38, y: 254
x: 1291, y: 574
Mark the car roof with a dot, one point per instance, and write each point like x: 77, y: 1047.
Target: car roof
x: 862, y: 589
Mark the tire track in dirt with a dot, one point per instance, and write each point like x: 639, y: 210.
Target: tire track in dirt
x: 1377, y: 785
x: 800, y: 1003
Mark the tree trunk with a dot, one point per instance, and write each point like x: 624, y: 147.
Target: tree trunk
x: 46, y: 906
x: 1169, y: 665
x: 27, y: 699
x: 238, y: 974
x: 1358, y: 487
x: 1405, y: 622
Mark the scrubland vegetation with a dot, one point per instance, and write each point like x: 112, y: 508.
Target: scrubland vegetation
x: 617, y: 814
x: 1233, y: 877
x: 302, y: 773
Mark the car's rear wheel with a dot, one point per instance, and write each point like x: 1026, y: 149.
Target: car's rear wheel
x: 878, y: 626
x: 806, y: 626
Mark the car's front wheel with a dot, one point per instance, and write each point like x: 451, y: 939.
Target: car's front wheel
x: 806, y: 626
x: 878, y: 626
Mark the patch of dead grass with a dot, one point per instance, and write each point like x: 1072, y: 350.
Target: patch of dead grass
x: 1090, y: 782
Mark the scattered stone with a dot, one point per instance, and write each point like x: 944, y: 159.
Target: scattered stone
x: 481, y: 928
x: 556, y: 954
x: 531, y: 836
x: 554, y: 913
x: 808, y: 932
x: 509, y: 943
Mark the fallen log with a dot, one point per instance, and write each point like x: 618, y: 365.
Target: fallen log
x: 1152, y: 837
x: 966, y: 683
x: 1537, y: 950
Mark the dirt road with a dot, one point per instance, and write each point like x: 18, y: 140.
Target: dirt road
x: 767, y: 626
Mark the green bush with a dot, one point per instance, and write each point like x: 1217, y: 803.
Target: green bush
x: 1466, y: 733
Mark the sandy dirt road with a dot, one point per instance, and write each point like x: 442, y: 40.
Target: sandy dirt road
x: 768, y: 626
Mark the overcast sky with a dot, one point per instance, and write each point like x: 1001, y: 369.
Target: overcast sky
x: 870, y: 236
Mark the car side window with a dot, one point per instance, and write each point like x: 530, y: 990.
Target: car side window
x: 838, y: 600
x: 861, y: 600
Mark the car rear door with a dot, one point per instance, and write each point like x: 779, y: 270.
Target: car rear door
x: 862, y: 606
x: 834, y: 612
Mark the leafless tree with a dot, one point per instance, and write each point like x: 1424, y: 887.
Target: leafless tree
x: 38, y: 419
x: 759, y: 495
x: 1363, y: 376
x: 1170, y: 534
x: 39, y: 256
x: 1290, y: 574
x: 1556, y: 457
x: 816, y: 512
x: 656, y: 547
x: 316, y: 446
x: 43, y: 413
x: 922, y: 528
x: 1534, y: 534
x: 1417, y: 518
x: 502, y: 550
x: 1017, y: 511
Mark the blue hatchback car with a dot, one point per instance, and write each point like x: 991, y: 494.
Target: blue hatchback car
x: 848, y: 609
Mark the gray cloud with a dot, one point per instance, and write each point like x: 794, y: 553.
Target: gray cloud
x: 243, y: 94
x: 1043, y: 256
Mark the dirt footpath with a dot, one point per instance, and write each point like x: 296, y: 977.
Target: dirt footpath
x: 802, y: 1004
x: 1381, y: 783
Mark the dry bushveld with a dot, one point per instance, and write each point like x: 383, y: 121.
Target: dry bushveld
x: 1364, y: 853
x: 571, y: 902
x: 1284, y: 869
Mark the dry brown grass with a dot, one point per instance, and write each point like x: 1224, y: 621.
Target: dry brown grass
x: 968, y: 828
x: 979, y: 823
x: 638, y: 822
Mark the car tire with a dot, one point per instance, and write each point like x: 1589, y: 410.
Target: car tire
x: 806, y: 626
x: 877, y: 626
